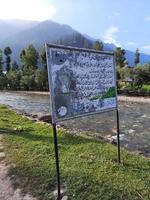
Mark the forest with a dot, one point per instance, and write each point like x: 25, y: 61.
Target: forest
x: 31, y: 72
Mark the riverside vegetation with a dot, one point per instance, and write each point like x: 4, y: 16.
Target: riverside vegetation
x: 31, y: 73
x: 89, y: 169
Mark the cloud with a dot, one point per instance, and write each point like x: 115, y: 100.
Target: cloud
x: 110, y: 35
x: 147, y: 47
x: 147, y: 19
x: 115, y: 14
x: 131, y: 43
x: 29, y: 9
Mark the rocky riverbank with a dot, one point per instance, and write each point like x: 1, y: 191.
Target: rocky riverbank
x: 134, y: 99
x: 130, y: 138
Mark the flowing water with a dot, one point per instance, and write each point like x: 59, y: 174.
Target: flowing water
x: 134, y: 119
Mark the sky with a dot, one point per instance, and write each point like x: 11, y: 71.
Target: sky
x: 125, y: 23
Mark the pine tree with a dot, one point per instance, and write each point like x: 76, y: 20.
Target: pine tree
x: 7, y: 52
x: 98, y: 46
x: 1, y: 62
x: 136, y: 57
x: 120, y: 56
x: 29, y: 58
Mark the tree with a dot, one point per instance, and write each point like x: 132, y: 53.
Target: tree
x: 43, y: 58
x: 14, y: 66
x: 3, y: 81
x: 41, y: 79
x: 137, y: 77
x: 1, y: 62
x: 98, y: 45
x: 27, y: 82
x: 120, y: 56
x: 13, y: 79
x: 29, y: 57
x: 136, y: 57
x: 22, y: 54
x: 3, y: 78
x: 7, y: 52
x: 126, y: 64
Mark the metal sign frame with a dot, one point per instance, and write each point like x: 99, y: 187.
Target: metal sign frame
x: 54, y: 118
x: 59, y: 195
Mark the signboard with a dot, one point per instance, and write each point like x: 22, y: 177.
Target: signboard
x: 81, y: 81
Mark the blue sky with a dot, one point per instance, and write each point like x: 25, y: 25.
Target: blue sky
x: 125, y: 23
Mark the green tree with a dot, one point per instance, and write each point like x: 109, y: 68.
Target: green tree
x: 13, y: 79
x: 41, y: 79
x: 14, y: 66
x: 7, y: 52
x: 3, y: 81
x: 29, y: 57
x: 3, y: 78
x: 1, y: 62
x: 120, y: 57
x: 136, y: 57
x: 27, y: 82
x: 43, y: 59
x: 137, y: 77
x: 22, y: 54
x: 146, y: 74
x: 98, y: 45
x: 43, y: 84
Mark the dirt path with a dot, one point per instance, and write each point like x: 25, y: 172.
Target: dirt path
x: 7, y: 191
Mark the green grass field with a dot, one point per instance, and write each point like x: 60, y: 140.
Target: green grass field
x: 89, y: 170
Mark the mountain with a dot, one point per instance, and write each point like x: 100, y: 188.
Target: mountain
x: 38, y: 34
x: 46, y: 31
x: 18, y: 34
x: 144, y: 58
x: 12, y: 27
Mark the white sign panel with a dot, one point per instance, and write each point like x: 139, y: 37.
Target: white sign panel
x: 81, y: 81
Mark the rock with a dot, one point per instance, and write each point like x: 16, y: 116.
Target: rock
x: 2, y: 156
x: 65, y: 198
x: 131, y: 131
x: 1, y: 148
x: 46, y: 118
x: 34, y: 116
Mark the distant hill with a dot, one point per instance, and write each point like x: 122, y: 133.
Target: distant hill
x: 39, y: 33
x: 18, y: 34
x: 8, y: 28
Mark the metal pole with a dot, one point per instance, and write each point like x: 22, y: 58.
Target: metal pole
x: 57, y: 161
x: 118, y: 137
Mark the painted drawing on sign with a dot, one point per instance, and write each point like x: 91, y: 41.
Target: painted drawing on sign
x: 82, y: 82
x: 65, y: 90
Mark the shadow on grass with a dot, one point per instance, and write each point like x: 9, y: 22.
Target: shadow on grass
x: 64, y: 139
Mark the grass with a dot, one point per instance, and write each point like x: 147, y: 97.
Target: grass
x: 88, y: 167
x: 146, y: 88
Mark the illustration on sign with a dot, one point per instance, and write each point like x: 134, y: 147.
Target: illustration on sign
x: 82, y: 82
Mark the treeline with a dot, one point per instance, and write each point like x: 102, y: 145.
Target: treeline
x: 135, y: 79
x: 31, y: 72
x: 27, y: 76
x: 131, y: 78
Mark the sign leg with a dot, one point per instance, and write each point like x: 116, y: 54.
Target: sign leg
x: 118, y: 137
x: 57, y: 161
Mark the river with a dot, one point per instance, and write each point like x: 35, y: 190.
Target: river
x: 134, y: 119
